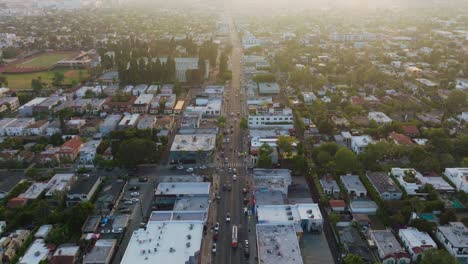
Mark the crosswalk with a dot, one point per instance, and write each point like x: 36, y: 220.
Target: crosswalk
x: 231, y: 164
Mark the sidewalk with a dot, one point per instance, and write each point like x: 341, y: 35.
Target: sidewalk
x: 206, y: 256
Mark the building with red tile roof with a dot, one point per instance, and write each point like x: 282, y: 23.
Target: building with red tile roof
x: 70, y: 149
x: 400, y: 139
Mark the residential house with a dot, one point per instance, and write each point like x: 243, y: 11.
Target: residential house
x: 115, y: 105
x: 416, y: 242
x: 385, y: 187
x: 9, y: 104
x: 36, y: 129
x: 83, y: 189
x: 353, y: 186
x: 147, y: 122
x: 400, y: 139
x: 66, y: 254
x: 28, y: 108
x: 70, y: 149
x: 268, y: 88
x: 459, y: 177
x: 18, y: 126
x: 379, y: 117
x: 454, y: 237
x: 101, y: 253
x: 389, y: 249
x: 329, y: 186
x: 129, y: 121
x: 88, y: 152
x: 408, y: 179
x: 142, y: 103
x: 359, y: 143
x: 109, y: 124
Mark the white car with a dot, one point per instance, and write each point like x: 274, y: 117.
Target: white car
x: 135, y: 200
x: 213, y: 248
x: 180, y: 167
x: 216, y: 226
x: 190, y: 170
x: 234, y: 177
x: 228, y: 217
x: 135, y: 194
x: 234, y: 170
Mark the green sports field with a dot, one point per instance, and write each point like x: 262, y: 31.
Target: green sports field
x: 23, y: 80
x: 45, y: 60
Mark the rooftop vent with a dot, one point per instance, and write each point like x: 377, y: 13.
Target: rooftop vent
x: 172, y: 250
x: 188, y: 244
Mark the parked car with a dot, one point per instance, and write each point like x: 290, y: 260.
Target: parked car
x: 216, y: 226
x: 180, y: 167
x: 135, y: 194
x: 190, y: 170
x: 213, y: 248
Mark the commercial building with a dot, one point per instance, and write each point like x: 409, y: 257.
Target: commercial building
x: 165, y: 242
x: 454, y: 237
x: 272, y: 116
x: 389, y: 249
x: 183, y: 188
x: 383, y: 184
x: 272, y: 180
x: 307, y: 216
x: 49, y: 103
x: 193, y: 148
x: 459, y: 177
x: 101, y: 253
x: 278, y: 244
x: 353, y: 186
x: 268, y: 88
x: 416, y: 242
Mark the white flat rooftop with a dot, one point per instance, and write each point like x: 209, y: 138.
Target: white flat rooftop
x: 287, y: 213
x: 183, y: 188
x: 278, y: 244
x: 36, y: 253
x: 203, y: 142
x: 58, y: 182
x: 34, y: 190
x: 164, y: 242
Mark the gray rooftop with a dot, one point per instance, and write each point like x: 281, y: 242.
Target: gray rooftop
x: 386, y: 241
x: 278, y: 244
x: 270, y: 197
x: 101, y: 251
x: 456, y: 233
x: 352, y: 182
x: 187, y: 203
x: 382, y: 182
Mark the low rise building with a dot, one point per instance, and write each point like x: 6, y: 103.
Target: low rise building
x: 49, y: 103
x: 389, y: 249
x: 273, y: 116
x: 385, y: 187
x: 36, y: 253
x: 163, y: 103
x: 129, y: 121
x: 18, y: 126
x: 147, y: 122
x: 59, y: 183
x: 278, y: 244
x: 83, y: 189
x: 166, y: 242
x: 142, y: 103
x: 272, y: 180
x: 408, y: 179
x: 193, y: 148
x: 70, y: 150
x: 28, y: 108
x: 329, y: 186
x: 353, y: 186
x: 268, y: 88
x: 416, y: 242
x: 379, y: 117
x: 88, y: 152
x: 36, y: 129
x: 359, y: 143
x: 307, y: 216
x: 139, y: 89
x: 102, y: 252
x: 454, y: 237
x: 66, y: 254
x: 459, y: 177
x: 14, y: 242
x: 109, y: 124
x: 309, y: 97
x: 9, y: 104
x: 34, y: 191
x: 366, y: 207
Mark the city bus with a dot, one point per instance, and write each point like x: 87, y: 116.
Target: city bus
x: 234, y: 236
